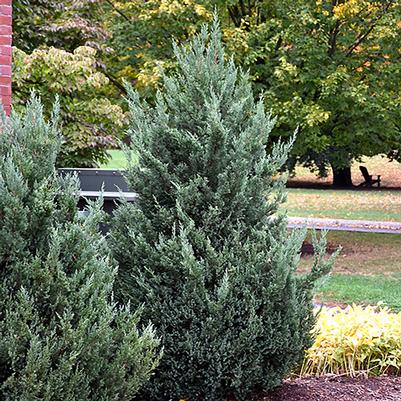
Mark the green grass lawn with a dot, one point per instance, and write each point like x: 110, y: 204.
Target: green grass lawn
x: 117, y: 160
x: 373, y: 204
x: 367, y: 271
x: 348, y: 289
x: 345, y: 204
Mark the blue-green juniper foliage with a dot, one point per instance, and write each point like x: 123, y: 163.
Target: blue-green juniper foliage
x: 61, y: 335
x: 203, y: 248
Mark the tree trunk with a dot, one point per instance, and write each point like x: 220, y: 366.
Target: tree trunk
x: 342, y: 177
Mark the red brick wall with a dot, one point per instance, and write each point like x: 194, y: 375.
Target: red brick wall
x: 5, y: 53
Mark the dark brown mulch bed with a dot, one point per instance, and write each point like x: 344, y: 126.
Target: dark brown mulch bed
x: 334, y: 388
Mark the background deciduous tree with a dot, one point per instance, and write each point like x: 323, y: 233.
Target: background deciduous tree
x: 92, y: 123
x: 142, y: 33
x: 59, y: 50
x: 326, y: 66
x: 329, y: 67
x: 64, y: 24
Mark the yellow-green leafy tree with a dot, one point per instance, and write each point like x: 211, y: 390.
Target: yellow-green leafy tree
x: 59, y: 50
x: 142, y: 33
x: 92, y: 123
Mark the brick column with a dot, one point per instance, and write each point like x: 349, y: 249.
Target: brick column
x: 5, y: 53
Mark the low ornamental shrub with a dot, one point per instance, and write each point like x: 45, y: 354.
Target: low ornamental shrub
x: 204, y: 249
x: 355, y: 340
x: 62, y: 337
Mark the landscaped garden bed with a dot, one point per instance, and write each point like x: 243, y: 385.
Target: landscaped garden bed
x: 356, y: 357
x: 339, y: 388
x: 199, y: 291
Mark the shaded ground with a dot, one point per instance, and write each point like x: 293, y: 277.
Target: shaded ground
x: 339, y: 389
x: 390, y: 174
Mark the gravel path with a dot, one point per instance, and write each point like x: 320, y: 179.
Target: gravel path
x: 367, y: 226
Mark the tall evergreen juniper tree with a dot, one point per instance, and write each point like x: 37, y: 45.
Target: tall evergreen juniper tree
x: 61, y: 335
x: 204, y: 248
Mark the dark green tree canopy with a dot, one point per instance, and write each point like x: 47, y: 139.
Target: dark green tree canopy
x: 65, y: 24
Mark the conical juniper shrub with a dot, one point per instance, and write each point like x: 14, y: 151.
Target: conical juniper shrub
x: 204, y: 248
x: 61, y: 335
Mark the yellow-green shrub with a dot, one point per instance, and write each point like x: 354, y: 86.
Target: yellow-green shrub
x: 354, y: 340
